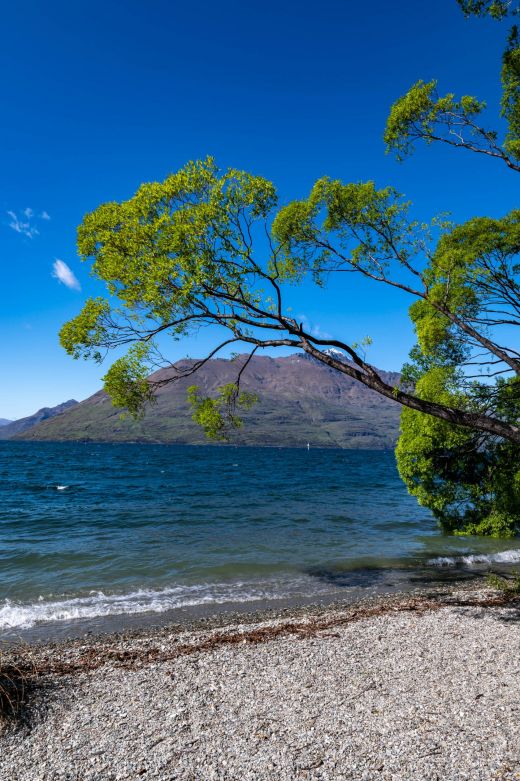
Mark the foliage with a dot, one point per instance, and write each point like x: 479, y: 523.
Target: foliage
x: 216, y: 416
x: 420, y: 111
x: 83, y: 335
x: 126, y: 381
x: 422, y: 114
x: 472, y: 485
x: 470, y: 480
x: 497, y: 9
x: 511, y: 93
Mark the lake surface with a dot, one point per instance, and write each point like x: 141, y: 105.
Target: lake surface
x: 93, y: 531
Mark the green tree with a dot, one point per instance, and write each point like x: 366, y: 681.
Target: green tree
x: 180, y: 254
x: 211, y: 247
x: 470, y: 480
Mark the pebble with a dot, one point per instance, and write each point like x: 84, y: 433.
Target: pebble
x: 394, y: 697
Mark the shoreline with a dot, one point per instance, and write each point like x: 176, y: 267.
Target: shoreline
x: 399, y: 583
x: 202, y: 692
x: 471, y: 593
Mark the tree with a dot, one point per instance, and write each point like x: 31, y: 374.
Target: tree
x: 210, y: 247
x: 469, y: 479
x: 180, y: 254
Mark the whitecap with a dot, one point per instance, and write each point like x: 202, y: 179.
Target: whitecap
x: 19, y: 615
x: 477, y: 559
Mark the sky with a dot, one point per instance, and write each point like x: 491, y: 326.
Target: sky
x: 101, y: 96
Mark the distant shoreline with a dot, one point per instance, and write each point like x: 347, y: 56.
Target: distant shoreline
x: 303, y: 446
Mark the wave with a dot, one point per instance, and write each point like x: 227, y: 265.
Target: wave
x: 476, y: 559
x: 17, y: 615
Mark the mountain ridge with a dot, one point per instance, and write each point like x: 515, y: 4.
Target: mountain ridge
x: 15, y: 427
x: 300, y: 400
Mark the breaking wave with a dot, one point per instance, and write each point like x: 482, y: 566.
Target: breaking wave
x: 18, y: 615
x: 477, y: 559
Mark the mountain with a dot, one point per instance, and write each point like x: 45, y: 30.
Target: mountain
x: 4, y: 421
x: 300, y: 400
x: 13, y: 428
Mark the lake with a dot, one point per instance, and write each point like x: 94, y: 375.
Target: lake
x: 90, y: 532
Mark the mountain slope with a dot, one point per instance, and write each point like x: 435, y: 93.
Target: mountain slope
x: 300, y: 401
x: 4, y: 421
x: 15, y: 427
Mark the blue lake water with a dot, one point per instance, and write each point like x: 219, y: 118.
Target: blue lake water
x: 91, y: 531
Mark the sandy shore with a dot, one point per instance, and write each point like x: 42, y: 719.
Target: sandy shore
x: 409, y: 688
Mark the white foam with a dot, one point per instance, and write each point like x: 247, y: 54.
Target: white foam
x: 62, y: 487
x: 16, y: 615
x: 475, y: 559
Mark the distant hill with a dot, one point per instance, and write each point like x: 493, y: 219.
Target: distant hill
x: 301, y: 400
x: 14, y: 427
x: 4, y: 421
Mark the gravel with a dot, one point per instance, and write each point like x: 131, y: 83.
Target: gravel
x: 428, y: 694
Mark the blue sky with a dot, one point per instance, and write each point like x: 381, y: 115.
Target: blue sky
x: 100, y: 96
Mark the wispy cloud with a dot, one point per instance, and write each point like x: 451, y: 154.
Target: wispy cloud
x: 18, y: 224
x: 65, y: 275
x: 25, y: 222
x: 313, y: 328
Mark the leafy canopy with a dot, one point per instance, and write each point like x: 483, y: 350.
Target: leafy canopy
x: 423, y: 114
x: 469, y: 479
x: 497, y: 9
x: 216, y: 416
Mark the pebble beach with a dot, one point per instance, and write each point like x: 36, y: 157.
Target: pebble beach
x: 411, y: 687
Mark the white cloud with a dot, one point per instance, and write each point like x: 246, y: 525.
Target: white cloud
x: 64, y: 274
x: 22, y: 227
x: 25, y: 223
